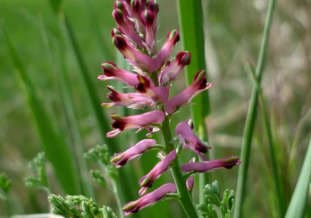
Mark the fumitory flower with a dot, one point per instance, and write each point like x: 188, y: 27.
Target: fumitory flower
x: 151, y: 79
x: 135, y: 121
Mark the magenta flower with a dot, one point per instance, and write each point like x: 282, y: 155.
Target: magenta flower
x: 149, y: 199
x: 131, y: 100
x: 172, y: 69
x: 147, y: 180
x: 134, y: 151
x: 135, y: 122
x: 198, y: 85
x: 189, y: 139
x: 204, y: 166
x: 111, y: 71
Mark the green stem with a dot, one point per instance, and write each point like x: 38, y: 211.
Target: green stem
x: 180, y: 182
x: 251, y: 117
x: 275, y: 173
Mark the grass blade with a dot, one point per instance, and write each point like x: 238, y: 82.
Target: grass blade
x: 54, y: 145
x: 65, y: 88
x: 192, y: 35
x: 275, y: 171
x: 300, y: 196
x: 252, y: 115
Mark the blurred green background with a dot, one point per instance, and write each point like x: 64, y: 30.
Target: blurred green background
x: 233, y: 32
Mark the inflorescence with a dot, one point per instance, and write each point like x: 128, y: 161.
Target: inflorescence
x: 153, y: 72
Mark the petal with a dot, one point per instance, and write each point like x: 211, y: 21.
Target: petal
x: 205, y: 166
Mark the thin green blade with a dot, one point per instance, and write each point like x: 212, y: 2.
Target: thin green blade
x: 53, y: 144
x: 300, y: 197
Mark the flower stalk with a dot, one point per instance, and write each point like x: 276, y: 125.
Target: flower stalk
x: 184, y: 196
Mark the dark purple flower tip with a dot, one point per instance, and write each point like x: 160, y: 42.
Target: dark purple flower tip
x: 173, y: 36
x: 200, y: 81
x: 148, y: 17
x: 121, y: 6
x: 144, y: 84
x: 149, y: 199
x: 138, y: 5
x: 109, y: 68
x: 118, y: 15
x: 183, y: 58
x: 153, y: 6
x: 120, y: 42
x: 205, y: 166
x: 115, y: 32
x: 113, y: 95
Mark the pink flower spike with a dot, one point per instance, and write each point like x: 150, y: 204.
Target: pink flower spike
x: 130, y: 100
x: 189, y: 139
x: 135, y: 122
x: 198, y: 85
x: 133, y: 55
x: 171, y: 71
x: 205, y: 166
x: 134, y: 151
x: 162, y: 166
x: 111, y: 71
x: 149, y: 199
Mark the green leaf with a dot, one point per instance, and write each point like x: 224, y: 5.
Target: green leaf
x: 300, y: 197
x: 56, y: 5
x: 54, y: 146
x: 5, y: 186
x: 192, y: 35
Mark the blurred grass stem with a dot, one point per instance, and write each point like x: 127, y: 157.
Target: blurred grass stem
x: 300, y: 197
x: 251, y: 116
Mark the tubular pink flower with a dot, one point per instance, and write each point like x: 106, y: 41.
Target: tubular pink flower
x: 132, y: 54
x: 135, y: 122
x: 130, y: 100
x: 147, y: 180
x: 189, y: 140
x: 111, y: 71
x: 149, y: 199
x: 171, y: 71
x: 204, y: 166
x: 198, y: 85
x: 166, y: 50
x: 149, y: 19
x: 134, y: 151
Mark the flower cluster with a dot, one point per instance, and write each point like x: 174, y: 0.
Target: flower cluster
x: 151, y: 78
